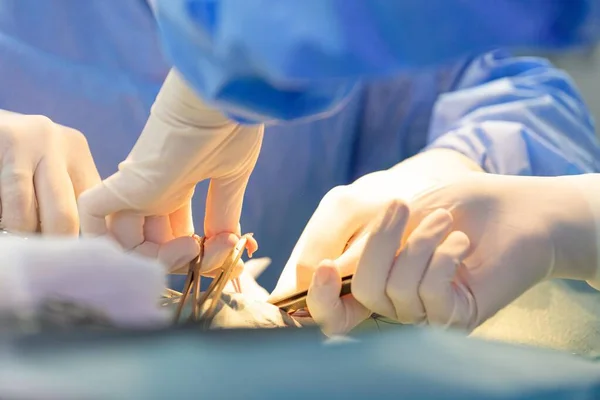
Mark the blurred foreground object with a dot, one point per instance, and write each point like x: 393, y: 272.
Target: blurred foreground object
x: 412, y: 364
x: 62, y: 282
x: 301, y: 59
x: 49, y: 285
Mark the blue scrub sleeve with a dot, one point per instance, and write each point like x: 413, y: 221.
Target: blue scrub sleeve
x: 517, y: 116
x: 270, y: 59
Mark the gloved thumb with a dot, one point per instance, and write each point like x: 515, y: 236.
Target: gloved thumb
x: 94, y: 205
x: 336, y: 315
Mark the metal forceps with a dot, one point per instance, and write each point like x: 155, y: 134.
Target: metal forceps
x: 192, y: 284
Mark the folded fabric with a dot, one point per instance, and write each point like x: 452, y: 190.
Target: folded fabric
x: 79, y: 280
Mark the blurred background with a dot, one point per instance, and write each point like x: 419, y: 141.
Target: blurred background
x: 584, y: 67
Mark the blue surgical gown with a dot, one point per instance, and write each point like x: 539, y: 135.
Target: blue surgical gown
x: 96, y: 65
x: 270, y: 59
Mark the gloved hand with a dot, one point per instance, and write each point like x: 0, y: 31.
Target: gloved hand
x: 44, y: 168
x: 146, y: 205
x: 510, y: 233
x: 344, y: 214
x: 93, y: 273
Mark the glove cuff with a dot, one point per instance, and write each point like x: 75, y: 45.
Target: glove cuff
x: 588, y: 186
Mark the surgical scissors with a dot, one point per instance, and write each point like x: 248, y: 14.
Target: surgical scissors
x: 214, y: 291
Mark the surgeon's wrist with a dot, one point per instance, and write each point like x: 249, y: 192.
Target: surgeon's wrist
x: 573, y: 212
x: 449, y: 159
x: 440, y: 164
x: 178, y: 104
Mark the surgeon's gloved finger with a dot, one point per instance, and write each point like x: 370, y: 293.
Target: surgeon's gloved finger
x: 127, y: 228
x: 177, y: 253
x: 148, y: 250
x: 251, y: 244
x: 95, y: 205
x: 174, y: 255
x: 216, y: 250
x: 370, y: 279
x: 124, y: 190
x: 240, y: 150
x: 347, y: 263
x: 84, y: 174
x: 335, y: 221
x: 444, y: 304
x: 224, y: 204
x: 157, y: 229
x: 411, y: 264
x: 56, y: 199
x: 324, y: 237
x: 335, y: 315
x: 182, y: 223
x: 17, y: 196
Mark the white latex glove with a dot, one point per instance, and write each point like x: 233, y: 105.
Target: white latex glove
x: 94, y: 273
x: 576, y: 225
x: 146, y: 205
x: 519, y: 231
x: 43, y: 169
x: 344, y: 214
